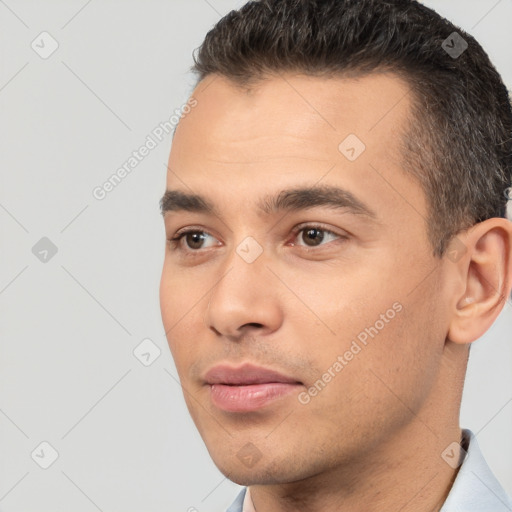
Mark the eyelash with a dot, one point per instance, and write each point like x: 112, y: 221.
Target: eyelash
x: 175, y: 242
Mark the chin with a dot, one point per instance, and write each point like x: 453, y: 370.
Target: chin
x: 260, y: 473
x: 252, y: 477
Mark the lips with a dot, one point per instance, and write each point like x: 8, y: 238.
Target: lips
x: 247, y: 388
x: 245, y: 375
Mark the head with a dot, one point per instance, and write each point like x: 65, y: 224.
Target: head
x: 342, y: 181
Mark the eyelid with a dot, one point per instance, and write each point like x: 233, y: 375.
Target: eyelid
x: 318, y: 225
x: 192, y: 229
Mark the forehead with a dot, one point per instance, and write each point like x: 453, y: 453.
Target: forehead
x: 295, y: 116
x: 238, y: 143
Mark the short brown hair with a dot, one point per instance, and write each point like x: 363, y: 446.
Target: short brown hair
x: 458, y: 143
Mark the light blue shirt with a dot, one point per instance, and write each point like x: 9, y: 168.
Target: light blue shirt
x: 475, y: 488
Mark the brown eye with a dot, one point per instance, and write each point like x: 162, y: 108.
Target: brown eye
x: 194, y: 239
x: 312, y: 236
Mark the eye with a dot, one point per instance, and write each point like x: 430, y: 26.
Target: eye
x: 313, y: 236
x: 309, y: 236
x: 193, y: 239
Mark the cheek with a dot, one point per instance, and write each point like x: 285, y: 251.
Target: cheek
x: 167, y: 288
x: 180, y: 295
x: 380, y: 384
x: 384, y: 352
x: 338, y: 308
x: 180, y: 313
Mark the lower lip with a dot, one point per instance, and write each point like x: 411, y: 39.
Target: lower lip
x: 249, y: 398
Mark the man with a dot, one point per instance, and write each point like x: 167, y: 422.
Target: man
x: 335, y: 215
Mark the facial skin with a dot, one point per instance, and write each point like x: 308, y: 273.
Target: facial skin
x: 372, y: 438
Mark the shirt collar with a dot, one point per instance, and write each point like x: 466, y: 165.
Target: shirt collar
x: 475, y: 487
x: 248, y: 505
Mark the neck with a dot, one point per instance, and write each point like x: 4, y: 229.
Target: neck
x: 417, y: 480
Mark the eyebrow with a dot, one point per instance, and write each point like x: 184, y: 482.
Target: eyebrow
x: 295, y: 199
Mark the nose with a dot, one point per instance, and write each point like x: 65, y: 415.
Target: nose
x: 245, y: 300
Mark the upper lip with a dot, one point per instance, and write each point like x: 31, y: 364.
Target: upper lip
x: 245, y: 375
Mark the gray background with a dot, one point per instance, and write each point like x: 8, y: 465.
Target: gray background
x: 69, y: 326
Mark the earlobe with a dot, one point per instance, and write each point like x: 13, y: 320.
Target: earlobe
x: 485, y: 272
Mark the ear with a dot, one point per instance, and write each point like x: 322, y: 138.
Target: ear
x: 482, y: 259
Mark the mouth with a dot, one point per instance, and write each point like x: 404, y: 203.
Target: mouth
x: 247, y: 388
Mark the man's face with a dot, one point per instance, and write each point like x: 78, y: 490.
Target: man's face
x: 344, y: 301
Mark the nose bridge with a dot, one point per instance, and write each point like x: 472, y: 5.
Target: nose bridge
x: 243, y: 273
x: 242, y: 296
